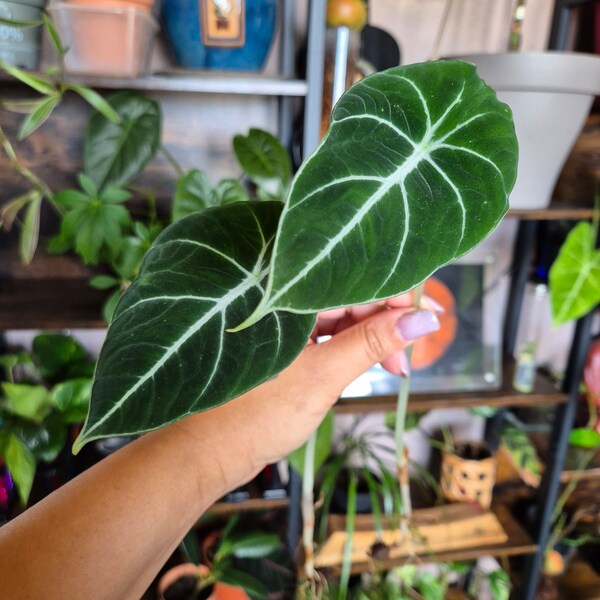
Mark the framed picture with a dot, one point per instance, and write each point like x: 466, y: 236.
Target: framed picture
x: 465, y: 354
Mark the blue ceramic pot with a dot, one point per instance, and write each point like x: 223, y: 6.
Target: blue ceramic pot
x: 182, y: 24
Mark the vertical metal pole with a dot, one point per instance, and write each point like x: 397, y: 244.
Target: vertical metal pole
x: 286, y: 69
x: 561, y: 20
x: 521, y: 265
x: 547, y: 494
x: 315, y: 61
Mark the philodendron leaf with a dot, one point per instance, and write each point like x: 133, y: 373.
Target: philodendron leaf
x: 575, y: 275
x: 167, y: 352
x: 415, y: 171
x: 114, y: 153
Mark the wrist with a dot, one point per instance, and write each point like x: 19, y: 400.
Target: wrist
x: 218, y: 451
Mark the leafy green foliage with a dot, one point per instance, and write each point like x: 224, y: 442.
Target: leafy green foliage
x: 95, y: 221
x: 234, y: 549
x: 265, y: 162
x: 200, y: 278
x: 582, y: 437
x: 575, y: 275
x: 46, y: 391
x: 194, y: 193
x: 52, y: 88
x: 522, y: 453
x: 414, y: 172
x: 115, y: 153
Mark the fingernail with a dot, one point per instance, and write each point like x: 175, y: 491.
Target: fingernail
x: 404, y: 364
x: 429, y: 303
x: 416, y: 324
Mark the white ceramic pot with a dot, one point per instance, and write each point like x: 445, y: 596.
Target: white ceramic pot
x: 550, y: 94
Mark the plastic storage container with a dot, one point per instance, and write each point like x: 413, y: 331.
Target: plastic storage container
x: 113, y: 42
x: 20, y: 46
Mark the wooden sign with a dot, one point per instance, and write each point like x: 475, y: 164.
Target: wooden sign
x: 433, y: 530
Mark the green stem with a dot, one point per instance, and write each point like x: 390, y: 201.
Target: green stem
x: 22, y: 169
x: 308, y: 507
x: 401, y: 451
x: 172, y: 160
x: 350, y: 520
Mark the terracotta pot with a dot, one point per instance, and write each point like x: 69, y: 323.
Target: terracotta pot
x: 469, y: 474
x: 146, y: 5
x: 178, y: 572
x: 228, y: 592
x: 106, y: 41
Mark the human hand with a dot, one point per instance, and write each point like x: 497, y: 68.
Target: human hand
x: 268, y: 422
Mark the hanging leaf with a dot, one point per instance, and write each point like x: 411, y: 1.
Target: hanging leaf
x: 31, y: 402
x: 39, y: 115
x: 30, y: 231
x: 192, y: 194
x: 167, y: 348
x: 114, y: 153
x: 20, y: 463
x: 265, y: 161
x: 95, y: 100
x: 575, y: 275
x: 415, y: 171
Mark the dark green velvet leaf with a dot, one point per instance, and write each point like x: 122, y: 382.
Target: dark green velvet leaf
x: 414, y: 172
x: 167, y: 352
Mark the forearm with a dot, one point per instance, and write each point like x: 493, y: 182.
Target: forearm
x: 107, y: 533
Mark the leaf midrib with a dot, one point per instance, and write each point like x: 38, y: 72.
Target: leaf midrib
x: 219, y: 306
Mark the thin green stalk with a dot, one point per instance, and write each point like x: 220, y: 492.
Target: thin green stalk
x: 401, y: 451
x: 172, y: 160
x: 22, y: 169
x: 347, y: 557
x: 308, y: 507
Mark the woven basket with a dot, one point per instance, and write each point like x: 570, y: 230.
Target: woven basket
x: 469, y: 474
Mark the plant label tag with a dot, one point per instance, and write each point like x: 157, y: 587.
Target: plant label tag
x: 222, y: 22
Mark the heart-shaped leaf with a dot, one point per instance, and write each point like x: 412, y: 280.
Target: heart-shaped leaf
x: 575, y: 275
x: 114, y: 153
x: 415, y: 171
x: 167, y: 352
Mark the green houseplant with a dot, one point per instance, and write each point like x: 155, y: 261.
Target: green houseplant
x: 281, y: 268
x: 250, y: 276
x: 44, y: 393
x: 193, y: 581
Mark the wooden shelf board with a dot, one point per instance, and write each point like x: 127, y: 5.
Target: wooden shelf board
x: 517, y: 544
x: 544, y: 393
x: 50, y: 293
x: 226, y: 508
x: 555, y: 211
x: 570, y: 471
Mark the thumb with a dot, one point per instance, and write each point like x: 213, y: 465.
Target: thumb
x: 350, y: 353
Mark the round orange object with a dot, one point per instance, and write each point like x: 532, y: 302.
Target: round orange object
x: 346, y: 13
x: 429, y: 349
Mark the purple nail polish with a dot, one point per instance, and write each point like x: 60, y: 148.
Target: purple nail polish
x: 416, y: 324
x: 404, y: 364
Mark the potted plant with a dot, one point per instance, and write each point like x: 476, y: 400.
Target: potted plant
x: 221, y: 577
x: 269, y: 268
x: 97, y: 221
x: 20, y: 46
x: 46, y: 391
